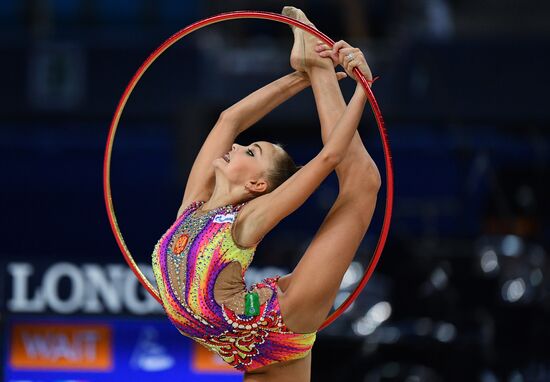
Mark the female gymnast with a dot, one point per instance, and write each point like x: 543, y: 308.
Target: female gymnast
x: 236, y: 194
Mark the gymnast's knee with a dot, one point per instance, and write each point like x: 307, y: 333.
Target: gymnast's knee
x: 364, y: 183
x: 372, y: 177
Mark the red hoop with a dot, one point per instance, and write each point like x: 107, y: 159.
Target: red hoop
x: 168, y: 43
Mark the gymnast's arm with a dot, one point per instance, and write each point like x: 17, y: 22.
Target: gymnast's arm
x: 230, y: 124
x: 258, y: 104
x: 259, y: 216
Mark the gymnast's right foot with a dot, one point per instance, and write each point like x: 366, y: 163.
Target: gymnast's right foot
x: 303, y: 56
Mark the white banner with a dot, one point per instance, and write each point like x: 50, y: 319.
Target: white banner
x: 68, y: 288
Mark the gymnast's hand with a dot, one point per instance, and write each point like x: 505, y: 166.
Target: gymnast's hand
x: 344, y: 54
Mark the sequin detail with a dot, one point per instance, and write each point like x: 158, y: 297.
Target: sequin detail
x: 180, y: 244
x: 187, y: 261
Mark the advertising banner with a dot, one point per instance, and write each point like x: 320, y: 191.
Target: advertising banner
x: 111, y: 349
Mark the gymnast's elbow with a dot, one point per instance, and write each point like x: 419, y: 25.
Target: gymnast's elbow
x: 330, y: 158
x: 229, y: 118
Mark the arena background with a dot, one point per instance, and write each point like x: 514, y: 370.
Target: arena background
x: 462, y: 292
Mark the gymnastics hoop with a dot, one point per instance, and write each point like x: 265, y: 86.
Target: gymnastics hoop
x: 148, y: 62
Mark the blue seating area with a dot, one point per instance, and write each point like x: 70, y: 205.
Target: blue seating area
x: 437, y: 187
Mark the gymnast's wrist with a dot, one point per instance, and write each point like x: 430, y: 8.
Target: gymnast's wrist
x: 302, y: 77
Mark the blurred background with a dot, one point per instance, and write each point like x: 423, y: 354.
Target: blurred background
x: 462, y: 291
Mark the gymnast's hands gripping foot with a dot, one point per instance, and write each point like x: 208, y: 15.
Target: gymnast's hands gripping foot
x: 236, y: 194
x: 303, y: 56
x: 344, y: 54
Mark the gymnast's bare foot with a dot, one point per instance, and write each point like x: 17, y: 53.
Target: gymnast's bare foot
x: 303, y: 56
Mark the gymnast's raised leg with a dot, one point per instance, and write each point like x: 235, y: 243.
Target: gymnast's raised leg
x: 307, y: 300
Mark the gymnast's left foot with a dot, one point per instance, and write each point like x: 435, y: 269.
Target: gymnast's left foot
x: 303, y: 56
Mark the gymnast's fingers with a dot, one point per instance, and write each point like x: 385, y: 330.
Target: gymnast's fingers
x: 321, y: 46
x: 339, y: 45
x: 349, y: 69
x: 361, y: 63
x: 340, y: 75
x: 351, y: 66
x: 343, y: 55
x: 323, y: 50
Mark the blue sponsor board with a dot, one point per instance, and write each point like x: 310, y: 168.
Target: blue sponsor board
x: 55, y: 350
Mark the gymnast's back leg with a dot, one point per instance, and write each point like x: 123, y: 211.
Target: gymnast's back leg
x: 310, y: 290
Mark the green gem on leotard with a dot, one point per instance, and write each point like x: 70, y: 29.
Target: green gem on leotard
x: 252, y: 304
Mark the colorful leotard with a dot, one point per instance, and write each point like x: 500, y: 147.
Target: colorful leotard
x: 187, y: 261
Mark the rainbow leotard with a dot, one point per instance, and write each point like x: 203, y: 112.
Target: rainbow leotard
x: 187, y: 261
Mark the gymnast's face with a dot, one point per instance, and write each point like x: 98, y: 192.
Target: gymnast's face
x: 248, y: 165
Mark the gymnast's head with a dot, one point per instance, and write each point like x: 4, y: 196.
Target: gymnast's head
x: 257, y: 168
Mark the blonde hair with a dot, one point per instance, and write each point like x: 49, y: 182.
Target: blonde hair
x: 283, y: 168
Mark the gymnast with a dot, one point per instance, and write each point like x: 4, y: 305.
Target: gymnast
x: 236, y: 194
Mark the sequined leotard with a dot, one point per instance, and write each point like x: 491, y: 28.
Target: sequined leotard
x: 187, y: 261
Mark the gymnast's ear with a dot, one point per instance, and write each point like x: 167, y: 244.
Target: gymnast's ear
x: 256, y: 187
